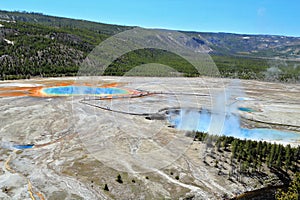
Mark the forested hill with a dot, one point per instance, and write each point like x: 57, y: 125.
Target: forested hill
x: 33, y: 44
x: 60, y: 22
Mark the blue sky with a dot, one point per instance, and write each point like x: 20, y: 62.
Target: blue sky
x: 237, y: 16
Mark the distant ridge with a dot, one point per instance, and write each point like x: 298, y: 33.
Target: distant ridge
x: 34, y: 44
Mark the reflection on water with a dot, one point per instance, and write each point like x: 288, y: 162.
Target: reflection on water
x: 192, y: 120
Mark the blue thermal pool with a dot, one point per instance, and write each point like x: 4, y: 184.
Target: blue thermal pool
x: 82, y: 90
x: 10, y: 145
x: 28, y: 146
x: 201, y: 121
x: 244, y: 109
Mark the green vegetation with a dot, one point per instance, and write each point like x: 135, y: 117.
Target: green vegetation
x: 255, y: 159
x: 239, y: 67
x: 61, y: 22
x: 43, y: 51
x: 47, y: 46
x: 251, y: 155
x: 139, y: 57
x: 257, y: 68
x: 293, y: 191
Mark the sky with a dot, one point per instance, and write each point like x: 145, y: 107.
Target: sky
x: 275, y: 17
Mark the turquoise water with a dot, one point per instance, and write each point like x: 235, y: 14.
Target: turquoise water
x: 201, y: 121
x: 28, y: 146
x: 82, y: 90
x: 246, y: 109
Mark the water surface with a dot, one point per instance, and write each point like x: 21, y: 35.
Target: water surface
x: 231, y: 126
x: 82, y: 90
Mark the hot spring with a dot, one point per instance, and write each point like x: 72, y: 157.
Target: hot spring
x: 82, y: 90
x: 194, y: 120
x: 244, y: 109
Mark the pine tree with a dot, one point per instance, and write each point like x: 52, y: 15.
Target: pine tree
x: 234, y: 148
x: 119, y: 179
x: 287, y: 157
x: 106, y: 187
x: 278, y: 161
x: 271, y: 155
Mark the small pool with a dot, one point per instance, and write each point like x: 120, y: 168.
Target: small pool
x: 244, y: 109
x: 81, y: 90
x: 11, y: 145
x: 27, y: 146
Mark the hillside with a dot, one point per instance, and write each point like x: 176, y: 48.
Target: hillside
x: 33, y: 44
x: 268, y: 46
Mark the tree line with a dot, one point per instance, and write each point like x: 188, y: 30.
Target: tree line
x: 251, y: 155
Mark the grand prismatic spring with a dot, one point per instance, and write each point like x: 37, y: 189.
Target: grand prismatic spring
x: 56, y: 89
